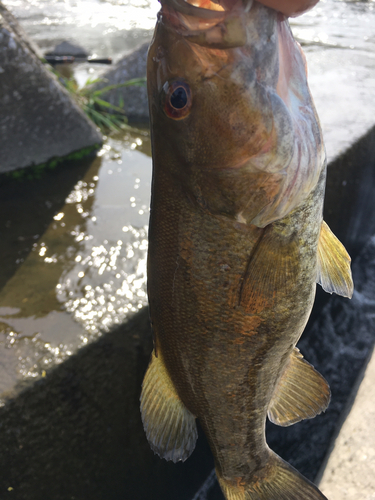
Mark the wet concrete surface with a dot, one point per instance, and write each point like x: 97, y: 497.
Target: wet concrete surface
x: 73, y: 268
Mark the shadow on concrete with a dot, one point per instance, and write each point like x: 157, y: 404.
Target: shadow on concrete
x: 77, y: 434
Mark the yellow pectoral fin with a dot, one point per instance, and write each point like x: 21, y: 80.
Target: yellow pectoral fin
x: 300, y: 393
x: 334, y: 273
x: 170, y: 427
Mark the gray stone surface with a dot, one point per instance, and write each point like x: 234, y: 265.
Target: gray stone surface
x: 134, y: 98
x: 18, y: 30
x: 350, y: 471
x: 66, y: 48
x: 38, y: 119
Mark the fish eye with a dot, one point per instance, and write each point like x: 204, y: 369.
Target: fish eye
x: 178, y: 100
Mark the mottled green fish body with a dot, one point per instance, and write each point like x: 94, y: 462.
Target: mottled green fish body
x: 237, y: 243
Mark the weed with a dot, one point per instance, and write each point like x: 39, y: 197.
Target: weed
x: 102, y: 113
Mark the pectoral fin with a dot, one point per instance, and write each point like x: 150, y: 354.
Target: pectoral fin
x: 272, y: 269
x: 333, y: 264
x: 300, y: 393
x: 170, y: 427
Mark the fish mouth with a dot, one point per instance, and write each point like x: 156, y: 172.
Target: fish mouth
x: 219, y: 24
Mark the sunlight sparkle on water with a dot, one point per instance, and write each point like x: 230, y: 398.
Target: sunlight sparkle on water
x: 116, y: 294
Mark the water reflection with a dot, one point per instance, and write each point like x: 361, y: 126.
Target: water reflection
x: 111, y: 27
x: 107, y: 282
x: 346, y: 25
x: 105, y: 27
x: 87, y: 272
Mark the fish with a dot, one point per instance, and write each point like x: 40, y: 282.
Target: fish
x: 237, y: 241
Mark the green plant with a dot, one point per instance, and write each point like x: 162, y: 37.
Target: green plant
x: 99, y: 111
x: 36, y: 171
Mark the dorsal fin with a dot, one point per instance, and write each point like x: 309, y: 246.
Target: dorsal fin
x: 301, y: 393
x: 334, y: 273
x: 170, y: 427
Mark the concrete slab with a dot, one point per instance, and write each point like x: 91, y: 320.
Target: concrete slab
x: 39, y: 121
x: 350, y: 471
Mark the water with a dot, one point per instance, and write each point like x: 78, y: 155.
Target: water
x: 85, y: 270
x: 107, y: 28
x: 111, y: 27
x: 338, y: 39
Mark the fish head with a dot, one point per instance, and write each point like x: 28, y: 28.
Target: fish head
x: 231, y: 114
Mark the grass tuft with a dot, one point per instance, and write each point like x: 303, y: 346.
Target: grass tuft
x: 104, y: 114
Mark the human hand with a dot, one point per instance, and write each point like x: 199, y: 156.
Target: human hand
x: 291, y: 8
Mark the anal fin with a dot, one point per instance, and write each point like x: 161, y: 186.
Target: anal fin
x: 170, y: 427
x: 334, y: 272
x: 301, y: 393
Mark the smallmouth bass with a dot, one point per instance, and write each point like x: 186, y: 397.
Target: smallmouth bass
x: 237, y: 241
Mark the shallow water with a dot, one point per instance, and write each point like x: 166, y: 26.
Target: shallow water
x: 111, y: 27
x: 85, y: 270
x: 103, y: 27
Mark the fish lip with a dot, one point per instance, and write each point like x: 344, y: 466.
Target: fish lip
x: 201, y: 13
x: 207, y: 27
x: 184, y: 7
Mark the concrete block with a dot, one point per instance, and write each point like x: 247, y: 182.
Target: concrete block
x: 350, y: 471
x: 38, y: 118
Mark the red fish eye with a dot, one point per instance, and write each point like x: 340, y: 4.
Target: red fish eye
x: 178, y: 100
